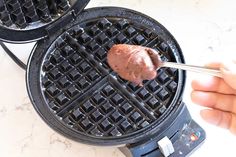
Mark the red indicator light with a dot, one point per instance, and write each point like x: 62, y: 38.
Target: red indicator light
x: 194, y: 137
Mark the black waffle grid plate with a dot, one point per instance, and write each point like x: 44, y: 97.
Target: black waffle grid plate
x: 91, y: 103
x: 78, y: 63
x: 28, y: 14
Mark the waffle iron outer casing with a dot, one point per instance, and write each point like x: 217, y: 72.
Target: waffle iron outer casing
x: 45, y: 51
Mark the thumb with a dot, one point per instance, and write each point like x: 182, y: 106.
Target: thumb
x: 229, y: 73
x: 220, y: 118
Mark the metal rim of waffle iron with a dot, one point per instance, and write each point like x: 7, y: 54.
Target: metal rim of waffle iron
x: 29, y: 19
x: 71, y: 86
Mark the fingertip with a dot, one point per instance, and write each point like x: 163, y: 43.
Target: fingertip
x: 202, y: 83
x: 204, y: 113
x: 198, y: 84
x: 209, y: 116
x: 196, y: 97
x: 193, y: 96
x: 194, y: 84
x: 218, y: 118
x: 202, y: 98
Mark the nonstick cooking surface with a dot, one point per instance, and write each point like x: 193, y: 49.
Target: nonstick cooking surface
x: 28, y: 14
x: 87, y: 96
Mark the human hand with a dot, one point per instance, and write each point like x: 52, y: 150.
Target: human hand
x: 219, y: 95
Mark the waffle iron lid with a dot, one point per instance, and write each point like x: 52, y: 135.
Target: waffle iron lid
x: 24, y: 21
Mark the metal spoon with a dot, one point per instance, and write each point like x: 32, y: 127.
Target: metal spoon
x: 193, y: 68
x: 156, y: 59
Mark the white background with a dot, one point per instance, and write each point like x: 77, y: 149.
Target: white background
x: 205, y: 30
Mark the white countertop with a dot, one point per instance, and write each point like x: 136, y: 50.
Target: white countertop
x: 203, y: 28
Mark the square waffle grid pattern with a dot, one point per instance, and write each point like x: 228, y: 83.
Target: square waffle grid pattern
x: 67, y: 75
x: 21, y: 13
x: 107, y: 113
x: 81, y: 52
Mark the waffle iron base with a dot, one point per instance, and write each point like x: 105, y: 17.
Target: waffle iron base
x: 184, y: 133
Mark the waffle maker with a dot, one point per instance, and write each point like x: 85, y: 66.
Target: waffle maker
x: 76, y: 93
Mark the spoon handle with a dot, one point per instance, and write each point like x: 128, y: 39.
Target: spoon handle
x: 193, y: 68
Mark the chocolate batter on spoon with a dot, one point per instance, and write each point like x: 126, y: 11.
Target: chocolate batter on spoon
x: 137, y: 63
x: 133, y: 63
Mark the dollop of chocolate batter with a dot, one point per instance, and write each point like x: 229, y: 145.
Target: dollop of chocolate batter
x: 133, y: 63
